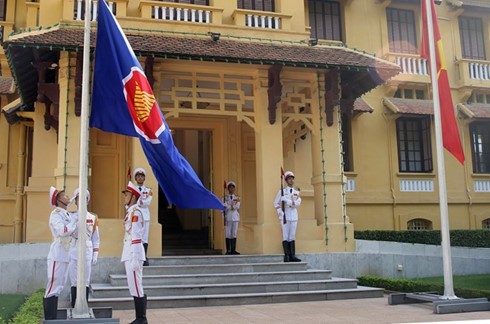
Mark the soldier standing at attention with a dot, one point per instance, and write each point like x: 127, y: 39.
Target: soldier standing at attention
x: 144, y: 203
x: 286, y: 203
x: 91, y: 250
x: 232, y: 218
x: 62, y: 227
x: 133, y: 254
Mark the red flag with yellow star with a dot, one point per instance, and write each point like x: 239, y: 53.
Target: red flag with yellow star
x: 450, y: 133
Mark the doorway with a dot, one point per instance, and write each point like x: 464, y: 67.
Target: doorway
x: 187, y: 231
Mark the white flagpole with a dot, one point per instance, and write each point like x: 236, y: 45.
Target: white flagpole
x: 441, y: 176
x: 81, y: 306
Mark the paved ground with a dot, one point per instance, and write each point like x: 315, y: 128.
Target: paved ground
x: 362, y: 311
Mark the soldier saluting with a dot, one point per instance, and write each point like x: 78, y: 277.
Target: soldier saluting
x: 133, y: 254
x: 62, y: 227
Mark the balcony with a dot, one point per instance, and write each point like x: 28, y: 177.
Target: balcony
x: 79, y: 9
x: 474, y: 73
x: 180, y: 12
x: 262, y: 19
x: 414, y: 68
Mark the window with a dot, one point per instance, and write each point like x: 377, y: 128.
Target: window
x: 471, y: 33
x: 347, y: 143
x: 480, y: 146
x: 3, y: 9
x: 486, y: 224
x: 479, y: 97
x: 408, y: 93
x: 325, y: 20
x: 419, y: 225
x: 414, y: 150
x: 261, y: 5
x: 401, y: 31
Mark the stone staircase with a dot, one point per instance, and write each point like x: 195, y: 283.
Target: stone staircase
x: 190, y: 281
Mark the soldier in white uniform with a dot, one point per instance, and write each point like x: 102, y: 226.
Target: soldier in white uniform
x: 62, y: 227
x: 232, y: 218
x: 133, y: 254
x: 144, y: 203
x: 92, y: 249
x: 286, y: 203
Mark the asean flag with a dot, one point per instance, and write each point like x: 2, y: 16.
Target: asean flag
x: 123, y: 103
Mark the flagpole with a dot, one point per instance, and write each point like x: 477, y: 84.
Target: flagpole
x: 441, y: 176
x: 81, y: 306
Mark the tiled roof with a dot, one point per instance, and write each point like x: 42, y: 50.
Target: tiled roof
x: 409, y: 106
x: 476, y: 3
x: 475, y: 110
x: 7, y: 85
x: 360, y: 105
x: 221, y: 50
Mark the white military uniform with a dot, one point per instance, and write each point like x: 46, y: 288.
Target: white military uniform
x: 91, y: 250
x: 291, y: 200
x: 232, y: 216
x: 62, y: 226
x: 144, y: 203
x: 133, y: 253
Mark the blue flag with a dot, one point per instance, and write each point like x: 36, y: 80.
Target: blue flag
x: 123, y: 103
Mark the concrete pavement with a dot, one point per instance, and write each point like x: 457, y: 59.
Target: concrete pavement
x: 363, y: 311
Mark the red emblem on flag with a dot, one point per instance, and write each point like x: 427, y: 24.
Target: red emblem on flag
x: 142, y: 105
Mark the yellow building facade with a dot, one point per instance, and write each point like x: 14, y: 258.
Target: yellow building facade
x: 248, y: 87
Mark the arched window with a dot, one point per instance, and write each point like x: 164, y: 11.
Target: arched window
x: 485, y: 224
x: 419, y: 224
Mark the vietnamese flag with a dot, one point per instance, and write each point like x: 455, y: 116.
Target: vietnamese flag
x: 450, y: 134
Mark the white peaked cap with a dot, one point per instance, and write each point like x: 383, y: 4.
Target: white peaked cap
x: 230, y: 183
x: 139, y: 170
x: 53, y: 194
x: 132, y: 189
x: 288, y: 174
x: 77, y: 192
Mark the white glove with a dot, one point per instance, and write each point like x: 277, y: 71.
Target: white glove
x: 135, y: 264
x: 94, y: 258
x: 280, y: 213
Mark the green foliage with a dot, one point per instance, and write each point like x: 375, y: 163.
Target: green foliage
x: 416, y: 285
x: 465, y: 238
x: 9, y: 305
x: 31, y: 311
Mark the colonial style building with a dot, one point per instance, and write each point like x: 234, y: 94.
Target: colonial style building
x: 332, y: 90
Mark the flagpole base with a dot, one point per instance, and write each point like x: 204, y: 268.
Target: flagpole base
x: 441, y: 304
x: 98, y: 315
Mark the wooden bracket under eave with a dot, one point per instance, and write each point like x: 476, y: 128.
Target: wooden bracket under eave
x: 48, y: 93
x: 274, y: 91
x: 149, y: 70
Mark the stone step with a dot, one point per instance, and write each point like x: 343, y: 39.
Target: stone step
x: 186, y: 260
x: 240, y: 298
x: 223, y: 268
x: 189, y: 279
x: 109, y: 291
x: 187, y: 252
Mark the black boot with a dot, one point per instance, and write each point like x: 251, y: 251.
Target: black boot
x: 233, y: 247
x: 285, y: 246
x: 228, y: 246
x: 146, y: 263
x: 140, y: 310
x: 87, y: 291
x: 50, y: 305
x: 73, y: 296
x: 293, y: 257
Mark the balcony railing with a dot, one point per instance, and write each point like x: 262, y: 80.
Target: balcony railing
x: 412, y: 64
x: 79, y: 10
x: 173, y: 11
x: 262, y: 19
x: 481, y: 185
x: 479, y: 71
